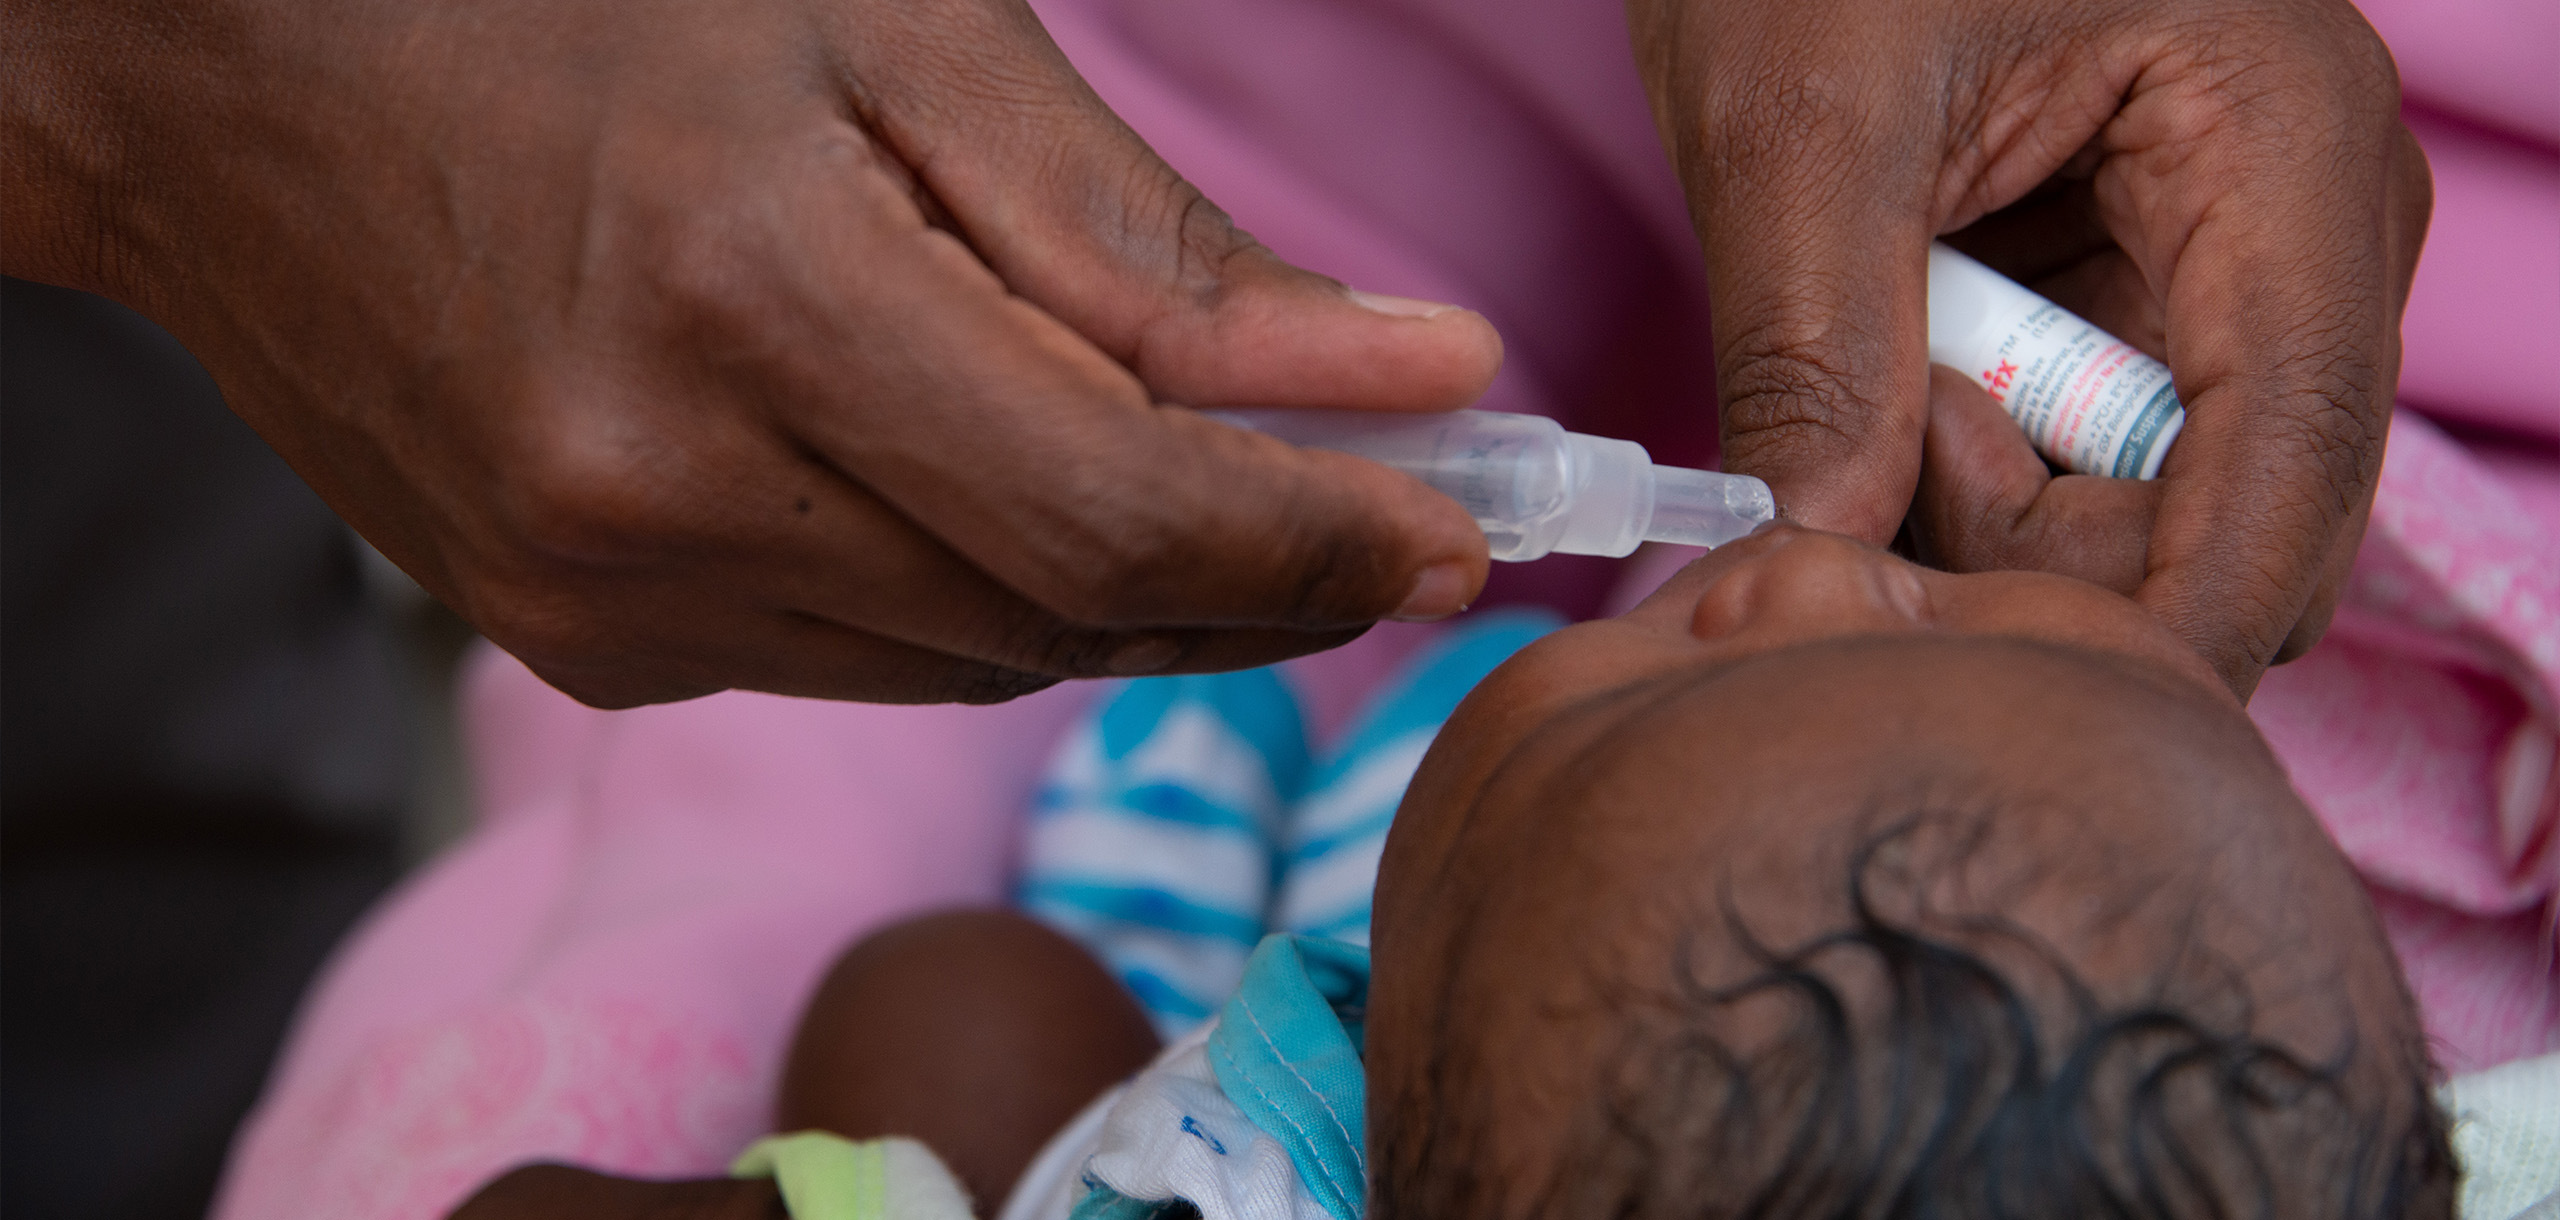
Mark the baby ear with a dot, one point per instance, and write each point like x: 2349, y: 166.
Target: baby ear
x: 1987, y: 502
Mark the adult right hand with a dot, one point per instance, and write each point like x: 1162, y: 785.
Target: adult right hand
x: 2227, y: 185
x: 810, y: 346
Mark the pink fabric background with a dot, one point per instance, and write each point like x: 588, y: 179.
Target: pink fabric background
x: 605, y: 970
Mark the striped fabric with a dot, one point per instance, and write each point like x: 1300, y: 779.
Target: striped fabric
x: 1333, y: 834
x: 1153, y: 836
x: 1184, y: 817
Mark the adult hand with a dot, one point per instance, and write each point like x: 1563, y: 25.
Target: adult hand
x: 2227, y: 185
x: 813, y: 346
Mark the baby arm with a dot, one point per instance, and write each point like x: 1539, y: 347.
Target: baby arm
x: 978, y: 1033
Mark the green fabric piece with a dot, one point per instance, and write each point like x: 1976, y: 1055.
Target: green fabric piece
x: 823, y: 1176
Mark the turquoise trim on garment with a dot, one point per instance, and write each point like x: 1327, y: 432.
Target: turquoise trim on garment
x: 1287, y: 1052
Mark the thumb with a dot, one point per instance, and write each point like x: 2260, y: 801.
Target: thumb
x: 1077, y: 215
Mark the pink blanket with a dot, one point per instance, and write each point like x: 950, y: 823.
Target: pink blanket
x: 605, y: 970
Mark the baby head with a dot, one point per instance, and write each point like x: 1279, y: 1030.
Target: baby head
x: 1825, y: 885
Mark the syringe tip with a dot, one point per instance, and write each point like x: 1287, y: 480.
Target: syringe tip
x: 1704, y: 508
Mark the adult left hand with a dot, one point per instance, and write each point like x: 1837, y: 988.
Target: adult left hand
x: 2227, y: 185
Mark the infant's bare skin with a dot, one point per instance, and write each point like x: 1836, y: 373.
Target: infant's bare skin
x: 978, y: 1033
x: 1822, y: 881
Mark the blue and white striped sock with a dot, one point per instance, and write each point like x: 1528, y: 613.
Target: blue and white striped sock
x: 1172, y: 831
x: 1153, y: 840
x: 1331, y: 844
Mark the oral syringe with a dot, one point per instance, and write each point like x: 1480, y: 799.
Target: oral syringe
x: 1534, y: 487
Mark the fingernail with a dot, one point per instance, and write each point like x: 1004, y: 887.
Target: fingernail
x: 1142, y: 657
x: 1400, y: 307
x: 1439, y: 592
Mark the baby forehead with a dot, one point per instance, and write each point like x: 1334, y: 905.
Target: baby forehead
x: 1788, y: 758
x: 2098, y: 812
x: 1864, y: 701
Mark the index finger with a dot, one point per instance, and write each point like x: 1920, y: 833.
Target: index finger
x: 1814, y: 220
x: 1045, y: 463
x: 2254, y: 185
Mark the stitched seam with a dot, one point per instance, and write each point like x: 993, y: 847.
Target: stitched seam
x: 1285, y: 1116
x: 1338, y: 1125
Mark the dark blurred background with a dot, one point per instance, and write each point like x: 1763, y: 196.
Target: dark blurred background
x: 224, y: 730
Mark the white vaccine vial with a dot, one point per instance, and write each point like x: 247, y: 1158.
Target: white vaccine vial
x: 1533, y: 487
x: 2090, y: 402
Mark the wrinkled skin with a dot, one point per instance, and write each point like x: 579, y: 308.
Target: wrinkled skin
x: 2227, y: 186
x: 810, y: 347
x: 827, y: 348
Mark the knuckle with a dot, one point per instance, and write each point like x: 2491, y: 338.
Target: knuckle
x: 715, y: 282
x: 1203, y: 239
x: 2321, y: 73
x: 1182, y: 243
x: 727, y: 279
x: 582, y: 486
x: 1787, y: 387
x: 582, y: 516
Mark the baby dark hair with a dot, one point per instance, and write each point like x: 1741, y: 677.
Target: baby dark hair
x: 1916, y: 1063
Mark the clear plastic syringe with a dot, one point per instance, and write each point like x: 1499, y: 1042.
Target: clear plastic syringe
x: 1534, y: 487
